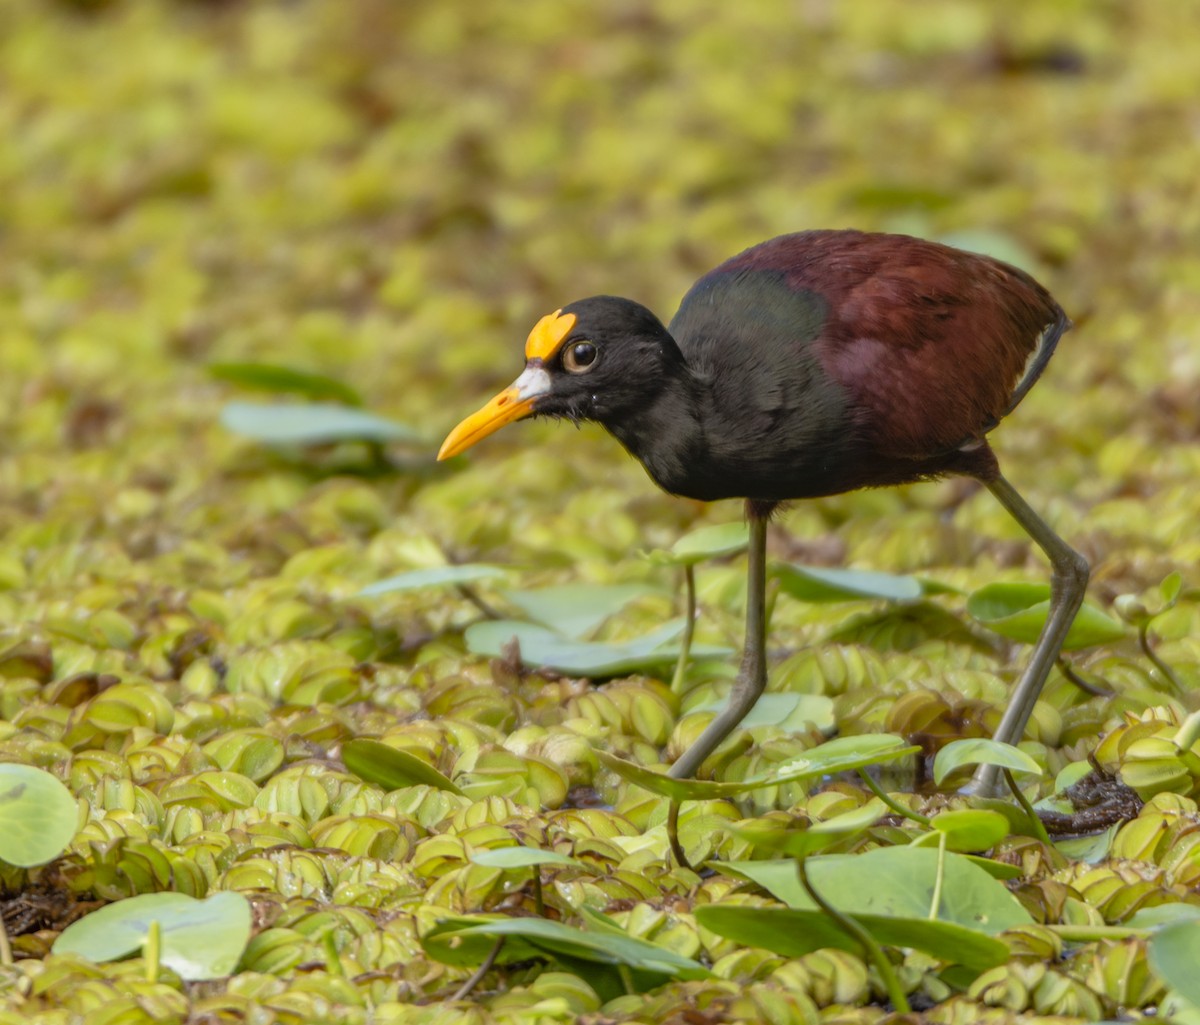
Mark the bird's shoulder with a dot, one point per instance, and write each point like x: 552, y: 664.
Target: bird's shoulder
x: 930, y: 343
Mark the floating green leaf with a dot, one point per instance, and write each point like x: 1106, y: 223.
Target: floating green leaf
x: 433, y: 576
x: 1018, y: 612
x: 842, y: 754
x: 575, y: 610
x: 286, y: 380
x: 467, y: 941
x: 316, y: 423
x: 837, y: 755
x: 981, y: 751
x: 392, y: 768
x: 787, y: 711
x: 710, y: 542
x: 821, y: 584
x: 1164, y: 914
x: 793, y: 933
x: 1174, y: 956
x: 201, y: 939
x: 38, y: 815
x: 969, y: 829
x: 800, y: 843
x: 541, y: 646
x: 894, y: 882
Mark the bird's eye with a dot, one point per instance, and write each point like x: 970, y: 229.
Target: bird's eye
x: 579, y: 357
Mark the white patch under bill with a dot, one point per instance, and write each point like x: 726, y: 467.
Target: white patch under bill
x: 533, y: 382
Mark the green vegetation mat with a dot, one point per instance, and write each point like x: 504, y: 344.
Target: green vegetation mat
x: 363, y: 206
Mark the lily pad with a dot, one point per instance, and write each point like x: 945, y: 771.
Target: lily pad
x: 821, y: 584
x: 1174, y: 954
x: 710, y: 542
x: 392, y: 768
x: 794, y: 933
x: 841, y: 754
x: 575, y: 610
x: 969, y: 829
x: 433, y: 576
x: 1018, y: 612
x: 467, y: 940
x: 837, y: 755
x: 800, y: 843
x: 541, y: 646
x: 311, y: 423
x: 201, y: 939
x: 38, y: 816
x: 787, y: 711
x: 981, y: 751
x: 894, y: 882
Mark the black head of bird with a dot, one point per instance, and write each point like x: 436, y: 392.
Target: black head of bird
x: 812, y: 364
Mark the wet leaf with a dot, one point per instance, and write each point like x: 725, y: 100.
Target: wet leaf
x: 467, y: 941
x: 433, y: 577
x: 970, y: 829
x: 313, y: 423
x: 837, y: 755
x: 38, y: 816
x: 800, y: 843
x: 981, y: 751
x: 541, y: 646
x: 708, y: 542
x: 1174, y: 955
x: 1018, y: 611
x: 392, y: 768
x: 821, y: 584
x: 895, y: 882
x: 575, y: 610
x: 794, y: 933
x: 201, y: 939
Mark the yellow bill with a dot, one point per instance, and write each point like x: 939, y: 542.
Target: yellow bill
x: 514, y: 403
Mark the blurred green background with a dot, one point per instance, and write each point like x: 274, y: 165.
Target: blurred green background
x: 392, y: 193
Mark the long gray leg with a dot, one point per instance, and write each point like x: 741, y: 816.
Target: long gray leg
x: 1067, y: 584
x: 752, y: 677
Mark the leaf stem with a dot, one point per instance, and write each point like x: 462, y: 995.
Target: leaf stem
x: 1039, y: 828
x: 626, y: 977
x: 539, y: 900
x: 673, y: 835
x: 152, y: 950
x: 6, y: 957
x: 1158, y: 663
x: 477, y: 975
x: 936, y: 902
x: 685, y: 646
x: 1071, y: 674
x: 873, y: 950
x: 890, y: 801
x: 471, y: 595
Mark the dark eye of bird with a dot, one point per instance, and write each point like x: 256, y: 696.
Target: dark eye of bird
x: 578, y: 358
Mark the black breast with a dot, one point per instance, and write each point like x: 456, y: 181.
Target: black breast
x: 775, y: 424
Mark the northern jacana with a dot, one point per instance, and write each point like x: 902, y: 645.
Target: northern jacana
x: 812, y: 364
